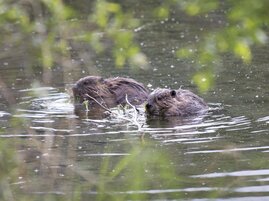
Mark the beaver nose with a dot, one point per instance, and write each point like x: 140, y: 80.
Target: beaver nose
x: 148, y: 106
x: 75, y: 88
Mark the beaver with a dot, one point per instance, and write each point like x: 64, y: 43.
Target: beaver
x: 109, y: 92
x: 166, y: 102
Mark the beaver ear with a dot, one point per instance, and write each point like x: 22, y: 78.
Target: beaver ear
x: 173, y: 93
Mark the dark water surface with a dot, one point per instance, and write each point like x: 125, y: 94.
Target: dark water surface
x: 221, y: 156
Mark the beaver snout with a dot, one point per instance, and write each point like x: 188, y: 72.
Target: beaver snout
x: 148, y: 106
x: 74, y: 88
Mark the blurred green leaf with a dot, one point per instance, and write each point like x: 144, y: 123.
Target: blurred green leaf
x: 135, y: 173
x: 7, y: 159
x: 195, y: 7
x: 242, y: 50
x: 113, y: 7
x: 204, y: 80
x: 161, y: 12
x: 185, y: 52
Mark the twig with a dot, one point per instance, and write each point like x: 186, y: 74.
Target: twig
x: 101, y: 99
x: 134, y: 120
x: 117, y: 115
x: 127, y: 101
x: 105, y: 108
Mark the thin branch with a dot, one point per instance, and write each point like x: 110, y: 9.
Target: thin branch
x: 133, y: 120
x: 101, y: 99
x: 135, y: 117
x: 105, y: 108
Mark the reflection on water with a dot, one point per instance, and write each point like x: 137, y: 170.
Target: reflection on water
x: 222, y: 155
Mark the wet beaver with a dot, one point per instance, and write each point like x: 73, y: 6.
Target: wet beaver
x: 109, y: 92
x: 166, y: 102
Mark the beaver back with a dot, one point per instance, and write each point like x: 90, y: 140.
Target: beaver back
x: 109, y: 92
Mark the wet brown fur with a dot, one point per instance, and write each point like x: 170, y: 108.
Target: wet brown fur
x: 166, y: 102
x: 109, y: 92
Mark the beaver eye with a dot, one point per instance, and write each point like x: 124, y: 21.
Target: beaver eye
x: 85, y: 83
x: 159, y: 98
x: 173, y: 93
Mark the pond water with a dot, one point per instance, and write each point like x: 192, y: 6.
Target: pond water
x: 61, y: 156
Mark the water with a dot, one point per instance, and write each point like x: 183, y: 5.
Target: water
x: 220, y: 156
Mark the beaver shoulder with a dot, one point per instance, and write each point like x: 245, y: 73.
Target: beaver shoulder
x: 166, y: 102
x: 109, y: 92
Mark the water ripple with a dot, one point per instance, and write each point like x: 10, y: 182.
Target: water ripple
x: 233, y: 174
x: 227, y: 150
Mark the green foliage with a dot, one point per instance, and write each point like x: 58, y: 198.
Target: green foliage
x: 203, y: 79
x: 118, y: 26
x: 195, y: 7
x: 134, y: 173
x: 47, y: 26
x: 7, y: 161
x: 162, y: 12
x: 246, y: 22
x: 7, y: 167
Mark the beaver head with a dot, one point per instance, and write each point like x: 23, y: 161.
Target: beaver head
x: 90, y: 86
x: 166, y: 102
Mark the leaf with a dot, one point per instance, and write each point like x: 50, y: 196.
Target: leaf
x: 204, y: 80
x: 242, y: 50
x: 161, y: 12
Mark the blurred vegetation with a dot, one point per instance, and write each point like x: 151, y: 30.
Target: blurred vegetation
x: 8, y: 164
x: 50, y: 27
x: 143, y: 168
x: 245, y: 25
x: 31, y: 175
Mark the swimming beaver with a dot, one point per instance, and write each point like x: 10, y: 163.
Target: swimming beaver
x: 166, y: 102
x: 109, y: 92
